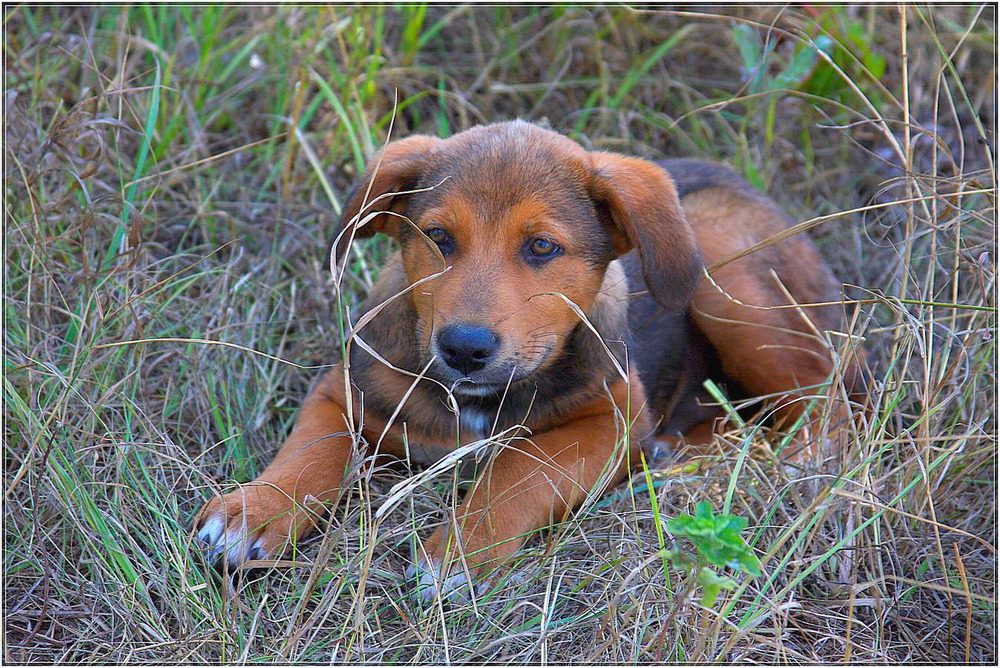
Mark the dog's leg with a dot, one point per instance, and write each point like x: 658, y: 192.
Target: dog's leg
x: 748, y: 311
x: 260, y: 519
x: 531, y: 483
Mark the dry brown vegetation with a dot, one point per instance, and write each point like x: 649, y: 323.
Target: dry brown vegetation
x: 171, y: 178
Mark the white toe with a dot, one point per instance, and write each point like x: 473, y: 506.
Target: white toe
x: 209, y: 535
x: 235, y: 545
x: 257, y: 550
x: 211, y: 530
x: 429, y: 584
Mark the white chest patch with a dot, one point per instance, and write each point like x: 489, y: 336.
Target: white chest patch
x: 475, y: 422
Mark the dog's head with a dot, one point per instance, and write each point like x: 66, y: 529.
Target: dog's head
x: 516, y: 220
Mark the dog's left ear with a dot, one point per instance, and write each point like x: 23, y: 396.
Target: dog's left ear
x: 645, y: 214
x: 380, y: 197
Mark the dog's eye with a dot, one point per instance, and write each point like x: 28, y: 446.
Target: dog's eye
x: 540, y: 248
x: 440, y: 236
x: 436, y: 234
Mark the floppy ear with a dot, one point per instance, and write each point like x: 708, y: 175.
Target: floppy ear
x: 395, y: 170
x: 645, y: 214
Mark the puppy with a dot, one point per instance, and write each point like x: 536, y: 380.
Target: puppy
x: 553, y: 300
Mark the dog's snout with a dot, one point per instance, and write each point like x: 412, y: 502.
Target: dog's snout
x: 466, y: 347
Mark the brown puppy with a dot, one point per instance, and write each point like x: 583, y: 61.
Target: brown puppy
x: 508, y: 233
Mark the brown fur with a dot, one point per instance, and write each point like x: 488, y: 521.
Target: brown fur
x: 575, y: 421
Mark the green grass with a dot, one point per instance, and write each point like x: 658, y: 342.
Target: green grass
x: 173, y: 175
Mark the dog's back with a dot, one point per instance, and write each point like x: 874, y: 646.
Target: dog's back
x: 732, y: 327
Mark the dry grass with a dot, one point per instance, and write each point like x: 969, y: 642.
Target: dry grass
x: 164, y: 285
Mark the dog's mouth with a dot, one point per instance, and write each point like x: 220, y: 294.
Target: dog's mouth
x: 495, y: 379
x: 469, y: 388
x: 487, y: 377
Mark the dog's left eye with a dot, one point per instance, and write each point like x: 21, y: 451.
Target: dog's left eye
x: 541, y: 248
x: 440, y: 236
x: 436, y: 234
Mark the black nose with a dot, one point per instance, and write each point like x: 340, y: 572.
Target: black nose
x: 466, y: 347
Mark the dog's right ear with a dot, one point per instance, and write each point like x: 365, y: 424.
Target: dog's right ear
x: 646, y: 214
x: 395, y: 170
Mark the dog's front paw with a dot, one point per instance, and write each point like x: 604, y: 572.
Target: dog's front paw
x: 255, y: 521
x: 430, y: 582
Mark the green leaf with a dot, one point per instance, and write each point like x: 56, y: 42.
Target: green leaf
x: 716, y: 539
x: 711, y: 583
x: 754, y: 60
x: 797, y: 71
x: 750, y: 564
x: 703, y: 511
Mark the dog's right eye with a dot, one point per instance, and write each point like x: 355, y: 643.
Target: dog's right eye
x: 440, y: 236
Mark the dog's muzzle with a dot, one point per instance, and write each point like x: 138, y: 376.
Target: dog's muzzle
x: 467, y: 348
